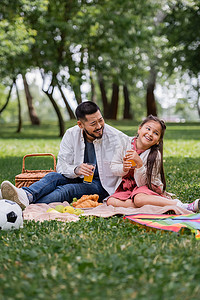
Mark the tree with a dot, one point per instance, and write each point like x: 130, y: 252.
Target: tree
x: 127, y: 110
x: 111, y: 42
x: 32, y: 113
x: 49, y: 92
x: 51, y: 50
x: 8, y: 98
x: 182, y: 31
x: 15, y: 41
x: 20, y: 58
x: 19, y: 109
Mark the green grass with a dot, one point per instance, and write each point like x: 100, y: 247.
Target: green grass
x: 98, y: 258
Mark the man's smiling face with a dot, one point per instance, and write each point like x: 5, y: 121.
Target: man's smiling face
x: 93, y: 126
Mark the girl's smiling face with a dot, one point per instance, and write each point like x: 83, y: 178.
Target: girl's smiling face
x: 148, y: 135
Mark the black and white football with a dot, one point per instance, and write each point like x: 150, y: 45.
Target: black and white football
x: 10, y: 215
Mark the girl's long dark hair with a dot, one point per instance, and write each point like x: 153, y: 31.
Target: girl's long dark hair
x: 151, y: 159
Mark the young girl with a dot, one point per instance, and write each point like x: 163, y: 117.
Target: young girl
x: 144, y: 182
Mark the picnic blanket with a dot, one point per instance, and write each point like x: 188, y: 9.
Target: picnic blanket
x: 38, y: 212
x: 175, y: 223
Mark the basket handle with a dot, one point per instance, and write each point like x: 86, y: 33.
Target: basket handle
x: 38, y: 154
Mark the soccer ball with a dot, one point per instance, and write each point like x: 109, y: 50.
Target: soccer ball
x: 10, y: 215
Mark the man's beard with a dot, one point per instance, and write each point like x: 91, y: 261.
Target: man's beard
x: 93, y: 135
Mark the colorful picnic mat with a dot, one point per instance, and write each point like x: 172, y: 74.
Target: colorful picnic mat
x: 175, y: 223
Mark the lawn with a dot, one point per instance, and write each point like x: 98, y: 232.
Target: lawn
x: 98, y: 258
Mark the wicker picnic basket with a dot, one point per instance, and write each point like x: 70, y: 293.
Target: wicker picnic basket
x: 28, y: 177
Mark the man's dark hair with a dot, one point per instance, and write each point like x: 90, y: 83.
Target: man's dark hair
x: 86, y: 108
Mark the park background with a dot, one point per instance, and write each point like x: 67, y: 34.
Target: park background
x: 132, y: 58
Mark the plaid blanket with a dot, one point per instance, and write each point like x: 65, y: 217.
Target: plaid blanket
x: 173, y: 223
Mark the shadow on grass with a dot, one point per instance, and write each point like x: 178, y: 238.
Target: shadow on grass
x: 44, y: 131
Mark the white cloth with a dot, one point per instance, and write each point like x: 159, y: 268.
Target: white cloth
x: 139, y: 173
x: 72, y: 148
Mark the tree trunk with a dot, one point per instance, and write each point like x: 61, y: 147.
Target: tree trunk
x: 150, y: 98
x: 69, y: 110
x: 127, y: 104
x: 198, y: 106
x: 93, y: 93
x: 75, y: 86
x: 58, y: 112
x: 114, y: 102
x: 103, y: 96
x: 19, y: 110
x: 77, y: 93
x: 49, y: 93
x: 8, y: 98
x: 32, y: 113
x: 198, y: 95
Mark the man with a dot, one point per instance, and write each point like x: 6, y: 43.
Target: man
x: 90, y: 141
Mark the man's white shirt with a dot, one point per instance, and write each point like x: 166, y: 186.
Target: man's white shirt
x: 71, y: 154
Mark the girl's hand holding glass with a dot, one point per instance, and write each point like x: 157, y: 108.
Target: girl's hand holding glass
x: 134, y: 158
x: 127, y: 165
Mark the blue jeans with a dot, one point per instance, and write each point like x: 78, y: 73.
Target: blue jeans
x: 54, y: 187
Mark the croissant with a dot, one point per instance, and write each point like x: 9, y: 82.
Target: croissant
x: 77, y: 203
x: 88, y: 203
x: 94, y: 197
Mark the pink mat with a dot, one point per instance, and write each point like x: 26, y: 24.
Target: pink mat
x: 38, y: 212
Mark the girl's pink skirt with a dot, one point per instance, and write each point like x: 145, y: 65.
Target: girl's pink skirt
x: 128, y: 189
x: 128, y: 194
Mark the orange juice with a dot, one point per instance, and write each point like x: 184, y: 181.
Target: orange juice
x: 88, y: 179
x: 133, y: 163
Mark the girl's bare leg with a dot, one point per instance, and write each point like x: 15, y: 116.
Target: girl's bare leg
x: 120, y: 203
x: 144, y: 199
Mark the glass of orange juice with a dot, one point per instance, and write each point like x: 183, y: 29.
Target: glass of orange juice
x: 132, y: 162
x: 88, y: 179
